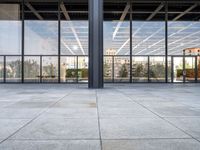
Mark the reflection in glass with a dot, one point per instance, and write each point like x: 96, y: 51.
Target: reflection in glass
x: 198, y: 68
x: 140, y: 69
x: 49, y: 69
x: 41, y: 37
x: 108, y: 69
x: 1, y: 69
x: 116, y: 38
x: 74, y: 37
x: 31, y: 69
x: 10, y: 29
x: 13, y: 69
x: 190, y: 69
x: 178, y: 69
x: 121, y: 69
x: 82, y: 69
x: 157, y: 69
x: 148, y: 37
x: 68, y: 69
x: 169, y: 69
x: 182, y: 35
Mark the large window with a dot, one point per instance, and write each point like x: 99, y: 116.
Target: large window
x: 183, y: 39
x: 1, y: 68
x: 40, y: 38
x: 116, y: 42
x: 148, y: 39
x: 74, y: 41
x: 13, y: 69
x: 10, y: 28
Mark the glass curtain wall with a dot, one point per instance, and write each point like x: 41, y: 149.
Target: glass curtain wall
x: 183, y: 34
x: 40, y: 41
x: 74, y: 41
x: 148, y: 42
x: 116, y: 41
x: 1, y: 68
x: 11, y: 39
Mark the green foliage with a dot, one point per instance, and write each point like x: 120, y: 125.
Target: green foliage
x: 123, y: 71
x: 157, y: 71
x: 72, y: 73
x: 31, y: 69
x: 140, y: 70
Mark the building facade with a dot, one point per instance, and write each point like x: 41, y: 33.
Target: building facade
x: 143, y: 41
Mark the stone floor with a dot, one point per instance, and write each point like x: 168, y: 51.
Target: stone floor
x: 118, y: 117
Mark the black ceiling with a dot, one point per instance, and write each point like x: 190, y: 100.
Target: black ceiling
x: 113, y: 9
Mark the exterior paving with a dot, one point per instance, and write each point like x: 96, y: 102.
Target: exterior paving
x: 118, y: 117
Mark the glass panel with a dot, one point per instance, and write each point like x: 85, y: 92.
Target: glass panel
x: 116, y: 28
x: 148, y: 28
x: 41, y: 28
x: 74, y: 27
x: 184, y: 29
x: 116, y: 38
x: 121, y: 69
x: 148, y: 38
x: 108, y: 68
x: 140, y: 69
x: 31, y: 69
x: 198, y: 68
x: 74, y: 37
x: 68, y: 69
x: 157, y: 69
x: 10, y: 29
x: 13, y: 69
x: 169, y: 69
x: 178, y: 69
x: 49, y: 69
x: 1, y: 68
x: 82, y: 69
x: 183, y: 35
x: 189, y: 69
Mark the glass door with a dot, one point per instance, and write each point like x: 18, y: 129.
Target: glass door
x: 177, y: 69
x: 189, y: 69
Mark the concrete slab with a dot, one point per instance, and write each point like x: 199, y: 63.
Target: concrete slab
x: 151, y: 144
x: 51, y: 145
x: 10, y: 126
x: 60, y: 129
x: 131, y: 128
x: 189, y: 125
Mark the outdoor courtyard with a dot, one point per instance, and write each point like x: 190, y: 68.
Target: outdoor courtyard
x: 118, y: 117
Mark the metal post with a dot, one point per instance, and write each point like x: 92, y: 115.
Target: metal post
x: 148, y: 69
x: 172, y: 69
x: 113, y: 69
x: 166, y: 42
x: 22, y: 63
x: 59, y: 41
x: 131, y: 18
x: 4, y: 69
x: 196, y: 69
x: 40, y: 69
x: 95, y: 44
x: 184, y: 70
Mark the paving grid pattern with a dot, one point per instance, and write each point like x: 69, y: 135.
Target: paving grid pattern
x: 118, y: 117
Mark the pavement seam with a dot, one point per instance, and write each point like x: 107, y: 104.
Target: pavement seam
x: 30, y: 121
x: 159, y: 116
x: 98, y: 117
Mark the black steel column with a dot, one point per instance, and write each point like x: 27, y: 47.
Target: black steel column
x: 95, y: 44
